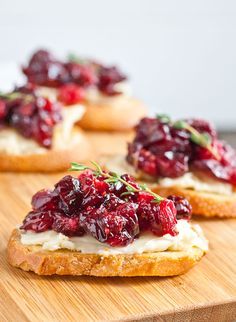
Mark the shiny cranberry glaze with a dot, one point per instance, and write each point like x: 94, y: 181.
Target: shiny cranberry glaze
x: 88, y: 204
x: 31, y: 115
x: 45, y: 70
x: 183, y: 207
x: 161, y: 150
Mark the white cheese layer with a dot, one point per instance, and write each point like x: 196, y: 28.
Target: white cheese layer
x: 11, y: 142
x: 188, y: 236
x: 191, y: 181
x: 188, y: 181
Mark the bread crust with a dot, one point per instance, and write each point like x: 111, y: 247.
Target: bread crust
x: 117, y: 113
x: 203, y: 203
x: 51, y: 161
x: 65, y: 262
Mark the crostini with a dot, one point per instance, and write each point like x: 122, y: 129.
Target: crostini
x: 102, y: 89
x: 103, y: 224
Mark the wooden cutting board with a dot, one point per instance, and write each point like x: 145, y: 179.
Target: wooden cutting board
x: 206, y: 293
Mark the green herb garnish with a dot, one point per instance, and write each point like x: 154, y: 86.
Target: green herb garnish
x: 202, y: 139
x: 112, y: 177
x: 17, y: 95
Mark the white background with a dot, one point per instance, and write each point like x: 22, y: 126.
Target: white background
x: 180, y: 55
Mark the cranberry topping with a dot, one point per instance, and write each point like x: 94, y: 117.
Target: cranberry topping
x: 107, y: 78
x: 71, y: 94
x: 162, y: 149
x: 110, y: 212
x: 160, y: 218
x: 31, y: 115
x: 45, y: 70
x: 183, y: 207
x: 38, y: 221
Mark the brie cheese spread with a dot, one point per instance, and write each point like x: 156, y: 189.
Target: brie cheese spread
x: 189, y: 236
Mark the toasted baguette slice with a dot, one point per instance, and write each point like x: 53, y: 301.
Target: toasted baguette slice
x: 203, y: 203
x: 65, y: 262
x: 55, y: 159
x: 113, y: 114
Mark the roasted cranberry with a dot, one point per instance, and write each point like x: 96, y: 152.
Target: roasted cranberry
x: 45, y: 200
x: 160, y: 217
x: 108, y: 77
x: 82, y: 75
x: 172, y: 164
x: 71, y: 94
x: 71, y: 197
x: 145, y: 210
x: 38, y: 221
x: 67, y: 226
x: 3, y: 110
x: 165, y: 218
x: 183, y: 207
x: 117, y: 228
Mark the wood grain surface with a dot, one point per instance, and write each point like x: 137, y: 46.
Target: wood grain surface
x: 206, y: 293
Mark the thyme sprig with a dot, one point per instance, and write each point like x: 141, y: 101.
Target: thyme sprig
x: 17, y: 95
x: 113, y: 177
x: 202, y: 139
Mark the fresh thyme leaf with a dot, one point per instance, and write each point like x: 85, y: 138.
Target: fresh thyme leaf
x: 77, y: 167
x: 164, y: 118
x: 201, y: 139
x: 179, y: 125
x: 126, y: 193
x: 76, y: 59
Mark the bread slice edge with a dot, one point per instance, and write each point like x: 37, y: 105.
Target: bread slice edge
x: 66, y: 262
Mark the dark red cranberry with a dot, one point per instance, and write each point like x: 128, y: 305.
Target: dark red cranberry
x: 165, y: 218
x: 108, y: 77
x: 71, y: 196
x: 82, y: 75
x: 3, y: 109
x: 117, y: 228
x: 158, y: 217
x: 38, y: 221
x: 183, y: 207
x: 172, y: 164
x: 45, y: 200
x: 71, y: 94
x: 145, y: 210
x: 69, y: 226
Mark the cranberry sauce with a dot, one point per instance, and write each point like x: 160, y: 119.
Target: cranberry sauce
x: 31, y: 115
x: 105, y: 210
x: 45, y: 70
x: 162, y: 148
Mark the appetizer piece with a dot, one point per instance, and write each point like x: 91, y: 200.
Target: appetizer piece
x: 103, y: 224
x: 102, y: 89
x: 38, y: 134
x: 184, y: 158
